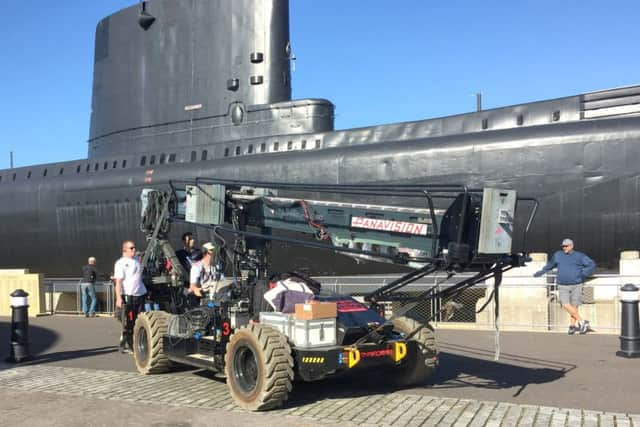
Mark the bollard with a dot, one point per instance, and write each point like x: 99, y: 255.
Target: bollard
x: 19, y: 350
x: 629, y: 326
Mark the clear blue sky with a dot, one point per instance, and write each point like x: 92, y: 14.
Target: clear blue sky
x: 377, y: 61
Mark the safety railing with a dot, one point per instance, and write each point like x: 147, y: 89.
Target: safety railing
x: 63, y: 295
x: 526, y: 303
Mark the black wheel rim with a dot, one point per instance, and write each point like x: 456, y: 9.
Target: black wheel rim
x: 245, y: 368
x: 142, y: 345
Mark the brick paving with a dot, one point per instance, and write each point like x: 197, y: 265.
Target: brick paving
x: 391, y: 409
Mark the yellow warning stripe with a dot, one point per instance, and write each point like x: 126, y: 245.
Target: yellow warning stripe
x: 308, y: 359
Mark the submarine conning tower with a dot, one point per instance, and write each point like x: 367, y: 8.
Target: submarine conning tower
x: 170, y: 73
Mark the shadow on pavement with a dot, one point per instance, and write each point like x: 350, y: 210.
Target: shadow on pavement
x: 455, y: 371
x: 39, y: 359
x: 348, y: 385
x: 473, y: 370
x: 40, y: 340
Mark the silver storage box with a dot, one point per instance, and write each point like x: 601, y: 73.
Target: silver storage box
x: 281, y: 321
x: 314, y: 333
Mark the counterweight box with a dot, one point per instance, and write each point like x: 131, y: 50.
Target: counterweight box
x: 496, y: 223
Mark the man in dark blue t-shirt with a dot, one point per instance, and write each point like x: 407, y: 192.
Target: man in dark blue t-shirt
x: 188, y: 254
x: 573, y: 268
x: 88, y: 287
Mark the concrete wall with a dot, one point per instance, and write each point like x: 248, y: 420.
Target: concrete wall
x: 524, y: 301
x: 66, y: 301
x: 10, y: 280
x: 527, y: 304
x: 629, y: 269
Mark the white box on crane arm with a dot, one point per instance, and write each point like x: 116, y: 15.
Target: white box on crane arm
x: 496, y: 222
x: 205, y: 204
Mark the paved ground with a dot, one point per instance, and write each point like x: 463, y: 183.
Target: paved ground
x: 78, y: 370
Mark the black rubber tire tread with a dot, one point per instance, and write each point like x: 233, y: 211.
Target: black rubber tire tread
x: 275, y: 367
x: 418, y: 366
x: 155, y: 323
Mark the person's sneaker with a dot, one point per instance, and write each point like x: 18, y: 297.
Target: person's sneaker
x: 572, y: 330
x: 124, y: 349
x: 585, y: 327
x: 91, y: 315
x: 122, y: 345
x: 86, y: 314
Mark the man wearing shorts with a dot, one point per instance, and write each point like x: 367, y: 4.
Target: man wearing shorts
x: 573, y: 267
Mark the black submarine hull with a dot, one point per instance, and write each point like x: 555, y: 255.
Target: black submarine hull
x: 73, y: 217
x: 204, y: 90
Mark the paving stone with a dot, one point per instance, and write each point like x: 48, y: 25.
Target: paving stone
x: 409, y: 410
x: 512, y: 416
x: 498, y: 414
x: 348, y: 411
x: 528, y: 415
x: 542, y: 419
x: 437, y: 415
x: 483, y: 414
x: 454, y: 413
x: 468, y: 414
x: 606, y: 420
x: 425, y: 412
x: 623, y: 421
x: 558, y: 419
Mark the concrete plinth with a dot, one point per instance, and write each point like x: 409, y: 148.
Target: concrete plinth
x: 604, y: 316
x: 523, y: 299
x: 629, y: 270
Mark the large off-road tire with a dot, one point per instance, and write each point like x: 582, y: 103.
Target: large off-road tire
x: 259, y: 367
x: 420, y: 363
x: 147, y: 342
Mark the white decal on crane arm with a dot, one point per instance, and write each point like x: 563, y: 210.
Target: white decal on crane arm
x: 388, y: 225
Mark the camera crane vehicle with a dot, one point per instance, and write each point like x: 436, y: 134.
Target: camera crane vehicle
x: 262, y: 351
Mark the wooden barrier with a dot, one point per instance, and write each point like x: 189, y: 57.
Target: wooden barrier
x: 31, y: 283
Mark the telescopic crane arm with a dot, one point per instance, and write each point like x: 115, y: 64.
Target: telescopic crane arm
x: 471, y: 230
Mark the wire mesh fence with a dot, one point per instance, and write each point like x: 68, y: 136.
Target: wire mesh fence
x: 525, y: 303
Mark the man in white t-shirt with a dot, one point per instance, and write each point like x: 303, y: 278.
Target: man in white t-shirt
x: 130, y: 292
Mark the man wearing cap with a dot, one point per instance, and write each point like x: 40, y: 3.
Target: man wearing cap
x: 573, y: 267
x: 204, y: 273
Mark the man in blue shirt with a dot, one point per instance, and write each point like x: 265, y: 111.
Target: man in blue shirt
x: 573, y: 267
x: 188, y: 254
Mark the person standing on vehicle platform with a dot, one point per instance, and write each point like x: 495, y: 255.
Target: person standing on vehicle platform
x: 573, y: 268
x: 130, y: 292
x: 188, y: 255
x: 206, y: 274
